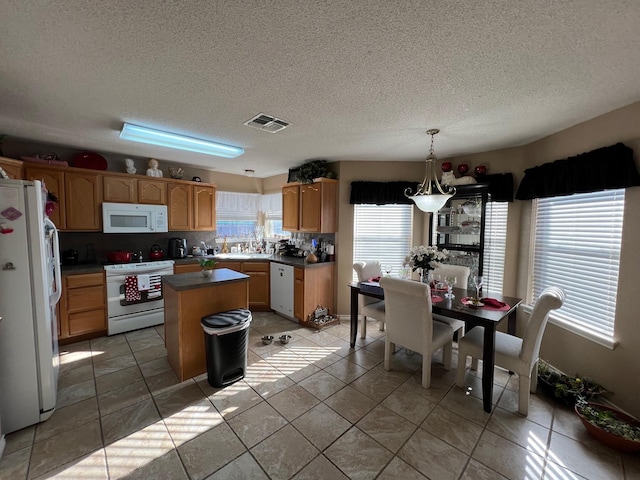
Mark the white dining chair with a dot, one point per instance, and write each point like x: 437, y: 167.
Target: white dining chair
x: 369, y: 306
x: 462, y: 274
x: 409, y: 324
x: 518, y: 355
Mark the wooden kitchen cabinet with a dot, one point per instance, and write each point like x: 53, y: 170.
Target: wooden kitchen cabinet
x: 119, y: 189
x: 291, y: 208
x: 13, y: 168
x: 83, y: 199
x: 83, y: 307
x: 259, y: 293
x: 54, y: 181
x: 204, y: 208
x: 152, y: 192
x: 186, y: 268
x: 180, y: 206
x: 312, y: 287
x: 315, y: 210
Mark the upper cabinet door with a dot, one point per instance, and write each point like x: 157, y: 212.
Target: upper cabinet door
x: 54, y: 182
x: 310, y: 207
x: 83, y: 201
x: 204, y: 214
x: 180, y: 207
x: 152, y: 192
x: 120, y: 189
x: 291, y: 208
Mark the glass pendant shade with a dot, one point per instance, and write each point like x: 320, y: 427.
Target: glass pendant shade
x: 424, y: 199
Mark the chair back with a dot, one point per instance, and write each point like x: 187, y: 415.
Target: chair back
x: 408, y: 313
x: 365, y: 270
x: 460, y: 272
x: 551, y: 298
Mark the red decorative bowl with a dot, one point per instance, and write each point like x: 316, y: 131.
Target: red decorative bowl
x: 91, y: 160
x: 609, y: 439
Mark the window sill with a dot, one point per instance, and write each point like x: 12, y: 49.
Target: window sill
x: 607, y: 342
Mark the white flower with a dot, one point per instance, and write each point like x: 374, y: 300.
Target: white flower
x: 426, y: 258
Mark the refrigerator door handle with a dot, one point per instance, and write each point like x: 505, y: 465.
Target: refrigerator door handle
x: 57, y: 274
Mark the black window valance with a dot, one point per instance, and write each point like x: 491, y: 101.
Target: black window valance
x: 602, y: 169
x: 384, y: 193
x: 380, y: 193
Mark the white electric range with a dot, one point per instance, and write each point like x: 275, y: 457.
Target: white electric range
x: 134, y: 295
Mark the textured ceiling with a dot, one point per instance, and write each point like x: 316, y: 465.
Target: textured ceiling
x: 358, y: 80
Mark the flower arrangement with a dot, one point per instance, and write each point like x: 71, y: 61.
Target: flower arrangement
x: 427, y: 258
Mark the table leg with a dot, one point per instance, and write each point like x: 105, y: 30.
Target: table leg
x: 488, y: 361
x: 354, y: 316
x: 511, y: 322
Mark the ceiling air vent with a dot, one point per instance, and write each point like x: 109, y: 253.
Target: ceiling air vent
x: 267, y: 123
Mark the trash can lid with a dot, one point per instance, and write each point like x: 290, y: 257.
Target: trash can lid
x: 230, y: 318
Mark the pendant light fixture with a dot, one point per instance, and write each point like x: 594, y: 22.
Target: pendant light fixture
x: 424, y: 199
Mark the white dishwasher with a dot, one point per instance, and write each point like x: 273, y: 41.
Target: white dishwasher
x: 282, y: 289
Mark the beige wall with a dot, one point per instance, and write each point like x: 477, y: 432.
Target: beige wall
x: 616, y: 369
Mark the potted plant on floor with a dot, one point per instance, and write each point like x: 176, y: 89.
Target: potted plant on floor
x: 565, y: 388
x: 609, y: 426
x: 207, y: 265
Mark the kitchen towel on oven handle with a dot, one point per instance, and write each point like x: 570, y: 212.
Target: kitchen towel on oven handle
x: 155, y: 286
x: 144, y: 282
x: 131, y: 292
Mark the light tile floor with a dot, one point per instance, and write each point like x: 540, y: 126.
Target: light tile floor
x: 313, y: 409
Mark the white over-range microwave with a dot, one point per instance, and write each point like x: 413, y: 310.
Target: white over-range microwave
x: 134, y: 218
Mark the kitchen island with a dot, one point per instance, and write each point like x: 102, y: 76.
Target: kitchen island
x: 187, y: 298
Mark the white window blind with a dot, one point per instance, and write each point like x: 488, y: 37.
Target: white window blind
x: 495, y: 240
x: 577, y: 247
x: 383, y: 233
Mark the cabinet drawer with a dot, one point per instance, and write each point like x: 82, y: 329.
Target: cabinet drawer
x: 186, y: 268
x: 87, y: 322
x: 85, y: 280
x: 255, y: 266
x: 80, y: 299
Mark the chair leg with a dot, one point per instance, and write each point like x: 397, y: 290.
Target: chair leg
x: 474, y: 363
x: 447, y: 354
x: 388, y: 351
x: 534, y: 378
x: 523, y: 395
x: 426, y: 371
x: 363, y: 330
x: 461, y: 371
x: 382, y: 326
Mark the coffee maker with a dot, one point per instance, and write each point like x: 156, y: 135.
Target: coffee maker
x: 177, y: 248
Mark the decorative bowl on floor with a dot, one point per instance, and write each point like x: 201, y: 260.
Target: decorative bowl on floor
x: 617, y: 419
x: 267, y: 339
x: 284, y: 339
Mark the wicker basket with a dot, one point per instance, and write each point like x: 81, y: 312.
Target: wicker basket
x: 320, y: 318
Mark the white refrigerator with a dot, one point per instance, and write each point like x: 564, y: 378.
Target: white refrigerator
x: 30, y: 288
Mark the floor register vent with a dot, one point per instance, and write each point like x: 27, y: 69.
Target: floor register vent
x: 267, y: 123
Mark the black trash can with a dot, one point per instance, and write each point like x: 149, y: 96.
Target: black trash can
x: 226, y: 337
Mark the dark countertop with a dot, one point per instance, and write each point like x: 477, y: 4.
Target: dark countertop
x: 189, y: 281
x: 293, y: 261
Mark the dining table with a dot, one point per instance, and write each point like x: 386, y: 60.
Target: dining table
x: 485, y: 316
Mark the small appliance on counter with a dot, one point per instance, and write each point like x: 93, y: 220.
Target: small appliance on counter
x: 70, y: 257
x: 177, y: 248
x: 156, y: 252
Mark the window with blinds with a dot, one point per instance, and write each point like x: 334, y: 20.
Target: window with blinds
x: 383, y: 233
x: 495, y: 240
x: 577, y: 247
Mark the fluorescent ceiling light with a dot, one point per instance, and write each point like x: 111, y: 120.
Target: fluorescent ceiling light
x: 173, y: 140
